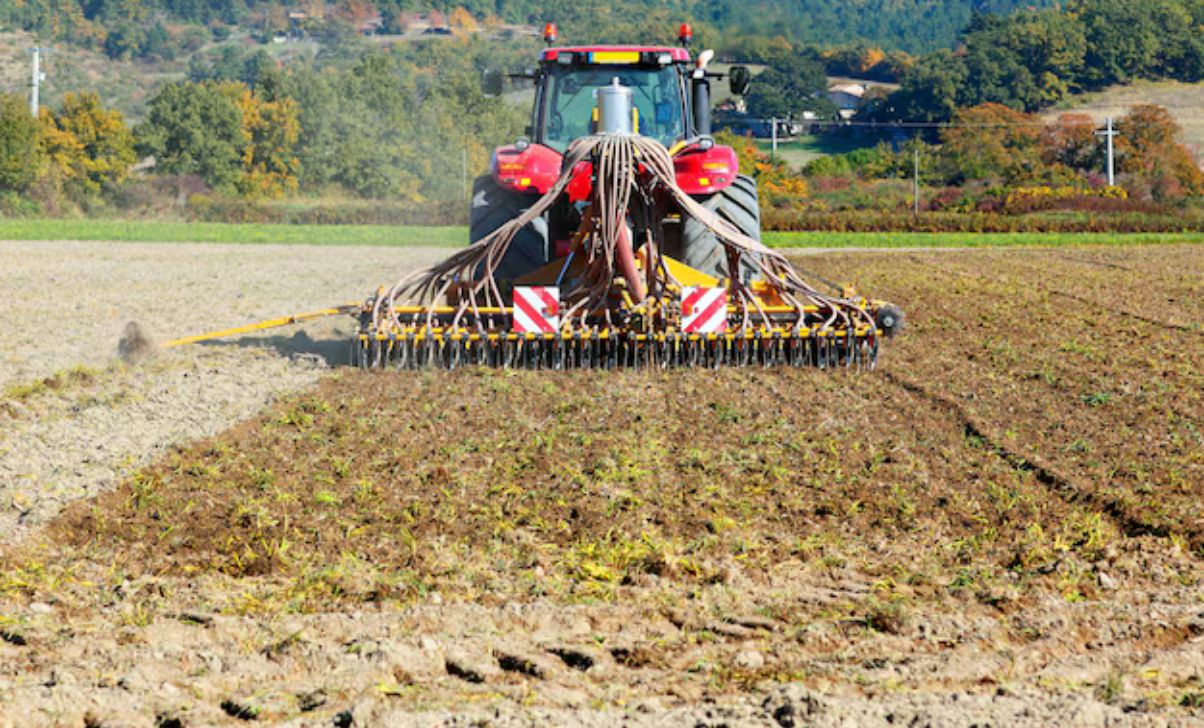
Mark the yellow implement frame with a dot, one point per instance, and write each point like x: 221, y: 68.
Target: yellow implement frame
x: 262, y: 325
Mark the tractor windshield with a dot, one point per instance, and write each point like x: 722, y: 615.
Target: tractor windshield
x: 569, y: 101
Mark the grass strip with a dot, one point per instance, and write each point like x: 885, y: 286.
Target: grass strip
x: 457, y: 236
x: 250, y: 233
x: 968, y: 240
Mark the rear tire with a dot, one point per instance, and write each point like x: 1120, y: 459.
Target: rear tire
x: 494, y: 206
x: 739, y: 205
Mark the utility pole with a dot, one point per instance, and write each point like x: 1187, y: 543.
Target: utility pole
x: 773, y: 134
x: 464, y: 172
x: 915, y: 181
x: 35, y: 85
x: 1110, y: 133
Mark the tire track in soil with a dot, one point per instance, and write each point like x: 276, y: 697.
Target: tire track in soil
x: 918, y: 274
x: 1100, y: 306
x: 1062, y: 486
x: 1066, y: 487
x: 961, y: 275
x: 1100, y: 263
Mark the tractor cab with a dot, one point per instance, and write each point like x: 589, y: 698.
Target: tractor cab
x: 670, y: 94
x: 568, y: 79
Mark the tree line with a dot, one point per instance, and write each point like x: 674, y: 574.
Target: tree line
x: 996, y: 150
x: 130, y: 26
x: 1034, y: 58
x: 1026, y: 60
x: 401, y: 125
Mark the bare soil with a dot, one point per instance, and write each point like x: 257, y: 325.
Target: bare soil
x: 67, y: 303
x: 1001, y: 525
x: 74, y: 419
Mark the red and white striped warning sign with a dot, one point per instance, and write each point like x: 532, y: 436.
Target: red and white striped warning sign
x: 536, y: 309
x: 704, y: 310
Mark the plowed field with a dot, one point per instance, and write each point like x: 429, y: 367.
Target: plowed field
x: 1003, y: 523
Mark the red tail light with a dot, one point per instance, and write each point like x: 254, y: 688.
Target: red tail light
x: 550, y: 33
x: 685, y: 33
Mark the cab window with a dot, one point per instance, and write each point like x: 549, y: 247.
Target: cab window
x: 569, y: 101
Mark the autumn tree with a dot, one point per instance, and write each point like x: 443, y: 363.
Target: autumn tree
x: 267, y: 155
x: 993, y: 143
x: 86, y: 145
x: 356, y: 12
x: 1071, y: 141
x: 462, y: 21
x: 1148, y: 149
x: 773, y: 176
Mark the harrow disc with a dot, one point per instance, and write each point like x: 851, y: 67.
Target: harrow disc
x: 413, y: 350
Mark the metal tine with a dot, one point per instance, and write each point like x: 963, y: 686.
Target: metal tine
x: 416, y: 349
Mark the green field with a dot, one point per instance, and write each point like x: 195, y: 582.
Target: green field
x: 211, y: 232
x: 453, y: 237
x: 802, y: 149
x: 968, y: 240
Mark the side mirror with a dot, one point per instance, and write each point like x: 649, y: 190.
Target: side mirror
x: 739, y: 79
x: 492, y: 83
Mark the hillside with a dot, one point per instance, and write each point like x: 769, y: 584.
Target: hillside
x: 1185, y: 101
x: 124, y: 85
x: 914, y: 26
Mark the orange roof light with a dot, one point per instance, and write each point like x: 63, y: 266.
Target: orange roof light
x: 550, y: 33
x: 685, y: 33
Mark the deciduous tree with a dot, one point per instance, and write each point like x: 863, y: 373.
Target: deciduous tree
x: 1148, y: 149
x: 19, y: 154
x: 194, y: 128
x: 270, y: 131
x: 88, y: 145
x: 994, y: 143
x: 1071, y: 141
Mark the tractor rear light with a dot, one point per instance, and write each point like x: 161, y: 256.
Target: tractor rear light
x: 550, y: 33
x: 685, y: 34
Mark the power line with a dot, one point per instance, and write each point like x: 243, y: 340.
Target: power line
x: 888, y: 125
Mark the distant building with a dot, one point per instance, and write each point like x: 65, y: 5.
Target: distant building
x: 847, y: 97
x: 370, y: 25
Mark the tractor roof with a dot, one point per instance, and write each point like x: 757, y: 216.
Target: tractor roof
x: 678, y: 54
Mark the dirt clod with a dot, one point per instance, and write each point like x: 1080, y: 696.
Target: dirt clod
x: 134, y: 347
x: 470, y: 668
x: 240, y: 709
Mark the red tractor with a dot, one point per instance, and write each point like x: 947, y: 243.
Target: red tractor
x: 672, y: 104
